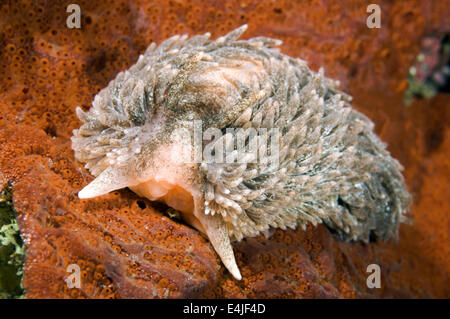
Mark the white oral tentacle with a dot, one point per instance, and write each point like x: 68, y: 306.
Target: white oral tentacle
x: 218, y: 236
x: 111, y: 179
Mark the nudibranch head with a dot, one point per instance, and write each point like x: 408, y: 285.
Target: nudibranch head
x: 287, y: 149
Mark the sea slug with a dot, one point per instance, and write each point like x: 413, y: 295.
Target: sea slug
x: 287, y: 148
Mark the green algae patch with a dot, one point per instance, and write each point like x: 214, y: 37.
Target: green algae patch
x: 12, y: 251
x: 430, y: 71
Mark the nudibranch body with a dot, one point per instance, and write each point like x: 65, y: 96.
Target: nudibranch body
x: 323, y: 165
